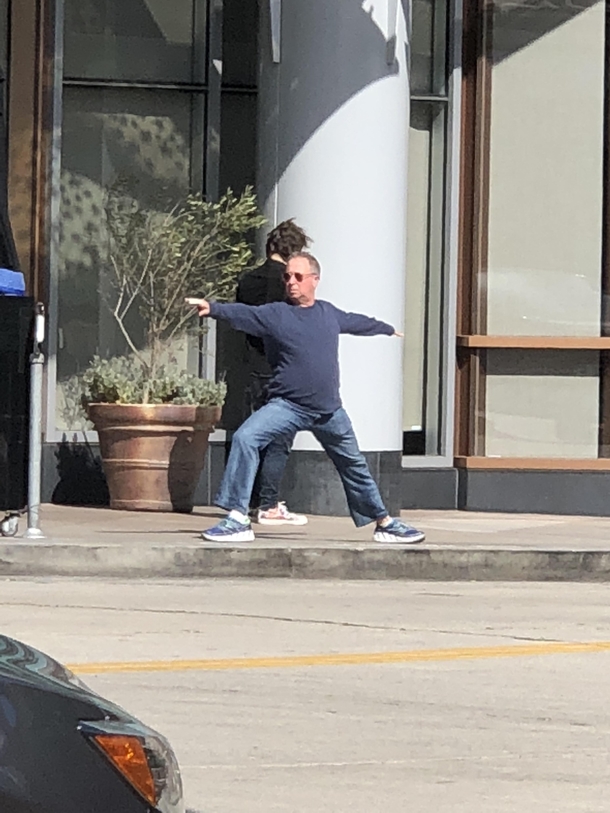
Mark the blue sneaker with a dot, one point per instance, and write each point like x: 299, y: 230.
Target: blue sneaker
x: 399, y: 532
x: 229, y: 530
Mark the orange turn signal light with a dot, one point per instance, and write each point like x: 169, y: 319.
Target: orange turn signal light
x: 127, y: 754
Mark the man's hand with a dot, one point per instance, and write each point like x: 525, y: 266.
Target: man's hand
x: 400, y: 335
x: 202, y: 305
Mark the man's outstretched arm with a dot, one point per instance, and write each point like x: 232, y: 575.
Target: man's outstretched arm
x: 255, y: 320
x: 357, y: 324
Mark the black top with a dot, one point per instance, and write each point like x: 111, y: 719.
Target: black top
x: 260, y: 286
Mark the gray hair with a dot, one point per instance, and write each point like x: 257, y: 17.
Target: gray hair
x: 314, y: 265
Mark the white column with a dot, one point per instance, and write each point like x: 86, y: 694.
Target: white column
x: 333, y: 130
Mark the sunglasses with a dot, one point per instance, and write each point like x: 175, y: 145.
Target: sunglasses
x: 299, y: 277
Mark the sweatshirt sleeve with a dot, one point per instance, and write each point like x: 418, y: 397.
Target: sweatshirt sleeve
x: 251, y: 319
x: 359, y: 325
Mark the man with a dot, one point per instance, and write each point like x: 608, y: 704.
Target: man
x: 261, y: 286
x: 302, y: 343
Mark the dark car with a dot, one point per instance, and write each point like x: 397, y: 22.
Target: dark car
x: 65, y: 749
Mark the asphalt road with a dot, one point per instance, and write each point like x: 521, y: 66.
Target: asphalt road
x: 338, y: 696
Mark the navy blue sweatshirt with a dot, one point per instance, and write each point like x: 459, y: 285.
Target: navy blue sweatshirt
x: 302, y: 346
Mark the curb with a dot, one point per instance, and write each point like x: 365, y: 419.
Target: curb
x: 34, y: 559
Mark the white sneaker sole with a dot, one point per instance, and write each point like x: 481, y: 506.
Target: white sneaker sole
x: 241, y: 536
x: 278, y: 521
x: 382, y: 536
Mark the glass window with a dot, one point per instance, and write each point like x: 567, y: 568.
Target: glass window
x: 4, y: 28
x: 140, y: 134
x: 151, y: 141
x: 543, y: 80
x: 541, y: 403
x: 240, y: 43
x: 4, y: 47
x: 137, y: 40
x: 140, y: 139
x: 428, y: 47
x: 424, y: 279
x: 8, y: 256
x: 423, y: 392
x: 238, y: 141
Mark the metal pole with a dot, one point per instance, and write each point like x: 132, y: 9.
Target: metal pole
x: 35, y: 450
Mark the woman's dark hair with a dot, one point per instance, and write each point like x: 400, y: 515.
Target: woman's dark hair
x: 286, y: 239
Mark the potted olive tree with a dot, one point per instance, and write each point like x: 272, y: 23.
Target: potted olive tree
x: 153, y: 418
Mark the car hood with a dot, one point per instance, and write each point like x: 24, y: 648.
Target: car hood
x: 21, y: 662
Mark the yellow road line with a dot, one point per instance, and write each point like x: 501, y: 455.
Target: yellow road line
x: 345, y: 659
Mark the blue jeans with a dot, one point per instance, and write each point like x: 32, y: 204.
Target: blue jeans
x: 273, y: 459
x: 283, y: 419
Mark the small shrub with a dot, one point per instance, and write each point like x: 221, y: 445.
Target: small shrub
x: 123, y: 380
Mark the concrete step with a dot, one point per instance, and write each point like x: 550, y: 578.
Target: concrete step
x: 194, y: 561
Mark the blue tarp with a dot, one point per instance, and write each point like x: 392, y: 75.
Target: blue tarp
x: 12, y: 283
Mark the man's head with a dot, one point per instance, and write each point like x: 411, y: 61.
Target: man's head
x: 302, y: 276
x: 285, y: 240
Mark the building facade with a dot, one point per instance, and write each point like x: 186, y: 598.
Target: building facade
x: 449, y: 159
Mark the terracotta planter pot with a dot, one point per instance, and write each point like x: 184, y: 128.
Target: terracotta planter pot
x: 153, y: 455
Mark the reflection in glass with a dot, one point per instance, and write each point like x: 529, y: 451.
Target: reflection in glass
x: 428, y: 47
x: 424, y: 278
x: 4, y: 31
x: 139, y: 140
x: 150, y: 141
x: 4, y: 45
x: 141, y: 40
x: 238, y: 140
x: 240, y: 42
x: 541, y: 403
x: 546, y: 168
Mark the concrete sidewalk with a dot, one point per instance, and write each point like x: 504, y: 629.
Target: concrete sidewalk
x: 459, y: 546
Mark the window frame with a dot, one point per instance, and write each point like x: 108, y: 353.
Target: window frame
x: 471, y: 337
x: 452, y: 102
x: 208, y: 24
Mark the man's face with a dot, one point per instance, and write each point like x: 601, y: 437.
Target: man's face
x: 301, y: 283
